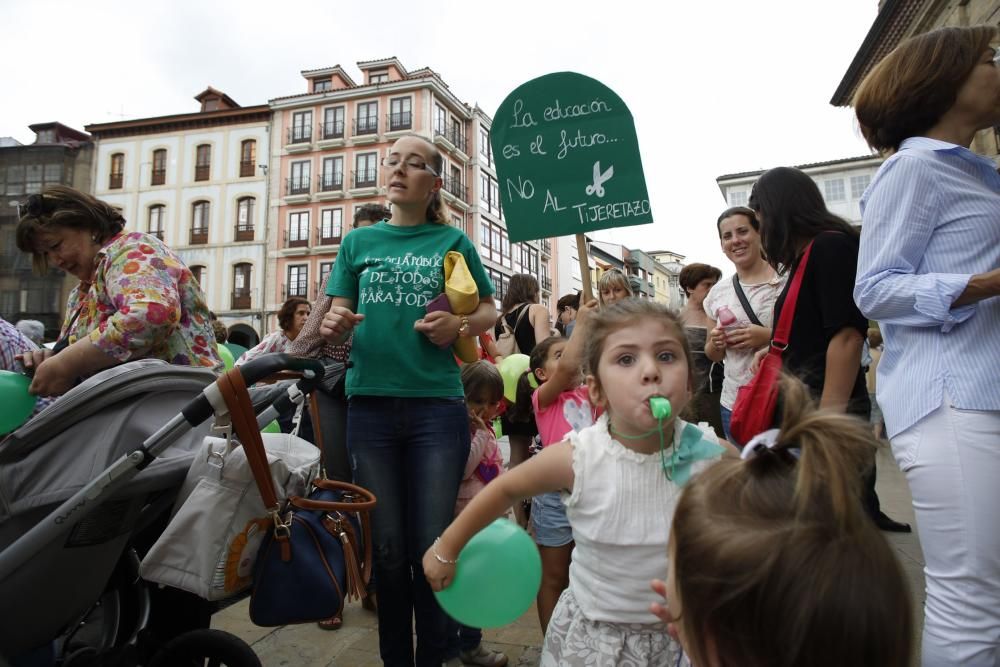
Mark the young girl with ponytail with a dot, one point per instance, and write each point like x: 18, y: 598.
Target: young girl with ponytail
x: 773, y: 561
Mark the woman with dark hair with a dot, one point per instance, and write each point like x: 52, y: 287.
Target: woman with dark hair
x: 136, y: 299
x: 525, y: 316
x: 735, y: 340
x: 697, y: 280
x: 828, y: 330
x: 929, y: 272
x: 407, y: 422
x: 292, y: 317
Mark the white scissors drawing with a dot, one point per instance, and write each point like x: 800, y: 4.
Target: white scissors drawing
x: 599, y: 179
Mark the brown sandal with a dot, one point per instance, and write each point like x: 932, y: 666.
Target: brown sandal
x: 332, y: 623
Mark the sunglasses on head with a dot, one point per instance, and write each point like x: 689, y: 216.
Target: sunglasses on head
x: 36, y: 206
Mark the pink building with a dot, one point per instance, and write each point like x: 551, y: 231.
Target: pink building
x: 326, y: 147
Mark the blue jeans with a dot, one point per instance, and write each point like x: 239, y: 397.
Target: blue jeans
x: 727, y: 417
x: 411, y: 453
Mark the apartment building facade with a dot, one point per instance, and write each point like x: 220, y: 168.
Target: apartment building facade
x: 327, y: 149
x: 841, y: 182
x: 198, y: 181
x: 59, y: 155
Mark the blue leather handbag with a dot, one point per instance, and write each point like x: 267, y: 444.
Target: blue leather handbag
x: 317, y: 556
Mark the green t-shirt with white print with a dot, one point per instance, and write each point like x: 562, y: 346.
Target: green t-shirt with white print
x: 391, y: 273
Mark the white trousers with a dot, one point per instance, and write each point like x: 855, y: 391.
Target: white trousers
x: 951, y: 459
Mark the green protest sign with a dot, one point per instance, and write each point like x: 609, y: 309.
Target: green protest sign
x: 567, y: 159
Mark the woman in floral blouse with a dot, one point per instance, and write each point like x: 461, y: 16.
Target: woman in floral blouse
x: 136, y: 299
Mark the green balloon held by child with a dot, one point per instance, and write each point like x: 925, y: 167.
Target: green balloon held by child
x: 18, y: 404
x: 496, y: 578
x: 225, y: 355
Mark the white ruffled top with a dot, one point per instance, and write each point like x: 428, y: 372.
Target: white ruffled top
x: 621, y: 508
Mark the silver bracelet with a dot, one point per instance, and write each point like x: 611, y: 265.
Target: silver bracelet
x: 443, y: 561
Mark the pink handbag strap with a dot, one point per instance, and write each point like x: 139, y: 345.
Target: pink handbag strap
x: 779, y: 341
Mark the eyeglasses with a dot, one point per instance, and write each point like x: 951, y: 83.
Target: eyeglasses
x: 393, y: 162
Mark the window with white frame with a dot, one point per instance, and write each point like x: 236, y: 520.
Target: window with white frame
x: 367, y: 120
x: 156, y: 220
x: 299, y: 181
x: 737, y: 197
x: 301, y: 126
x: 298, y: 280
x: 833, y: 189
x: 859, y: 184
x: 400, y: 113
x: 333, y: 122
x: 381, y: 76
x: 325, y: 269
x: 331, y: 226
x: 333, y: 174
x: 298, y: 228
x: 440, y: 119
x: 485, y: 151
x: 365, y: 174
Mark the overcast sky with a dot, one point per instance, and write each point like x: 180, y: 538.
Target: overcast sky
x: 715, y: 87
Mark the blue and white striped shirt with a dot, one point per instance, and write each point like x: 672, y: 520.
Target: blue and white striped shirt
x: 930, y: 220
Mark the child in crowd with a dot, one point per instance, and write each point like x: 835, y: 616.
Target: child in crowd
x: 483, y: 387
x: 831, y: 594
x: 620, y: 479
x: 561, y: 405
x: 613, y: 286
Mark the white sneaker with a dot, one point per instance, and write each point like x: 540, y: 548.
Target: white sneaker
x: 483, y: 657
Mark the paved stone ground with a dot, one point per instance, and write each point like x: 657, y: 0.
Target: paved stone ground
x: 356, y: 644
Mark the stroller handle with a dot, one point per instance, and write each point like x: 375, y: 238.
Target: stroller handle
x: 200, y: 409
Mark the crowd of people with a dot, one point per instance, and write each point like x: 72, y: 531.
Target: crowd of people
x: 660, y: 536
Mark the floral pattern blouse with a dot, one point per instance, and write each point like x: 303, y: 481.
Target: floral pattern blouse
x: 144, y: 302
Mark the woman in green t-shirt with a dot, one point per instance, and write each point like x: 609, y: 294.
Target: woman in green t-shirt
x: 407, y: 425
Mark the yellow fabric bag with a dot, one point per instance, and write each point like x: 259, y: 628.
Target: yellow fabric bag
x: 463, y: 298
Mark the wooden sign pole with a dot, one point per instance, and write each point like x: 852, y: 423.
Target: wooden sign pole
x: 581, y: 252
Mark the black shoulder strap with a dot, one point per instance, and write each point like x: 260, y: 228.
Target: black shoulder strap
x: 743, y: 300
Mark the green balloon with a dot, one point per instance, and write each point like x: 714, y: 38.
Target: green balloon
x: 237, y: 350
x: 496, y: 579
x: 271, y: 428
x: 226, y: 355
x: 18, y: 404
x: 511, y: 370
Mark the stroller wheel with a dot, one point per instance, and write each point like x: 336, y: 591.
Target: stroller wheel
x: 209, y: 648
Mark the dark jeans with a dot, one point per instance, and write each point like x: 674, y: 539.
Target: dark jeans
x: 411, y: 453
x: 462, y: 639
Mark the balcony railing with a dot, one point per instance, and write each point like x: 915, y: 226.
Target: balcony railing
x: 332, y: 130
x: 331, y: 182
x: 158, y: 233
x: 454, y: 135
x: 201, y: 172
x: 247, y: 168
x: 400, y: 121
x: 241, y: 299
x: 365, y: 178
x: 115, y: 181
x: 366, y: 125
x: 455, y: 187
x: 300, y: 288
x: 299, y: 134
x: 326, y: 237
x: 199, y: 235
x: 547, y: 284
x: 298, y: 240
x: 244, y: 233
x: 297, y: 186
x: 159, y: 177
x: 547, y: 246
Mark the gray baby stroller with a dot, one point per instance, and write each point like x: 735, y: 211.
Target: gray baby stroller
x: 79, y: 484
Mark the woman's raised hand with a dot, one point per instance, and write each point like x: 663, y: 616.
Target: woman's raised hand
x: 338, y: 324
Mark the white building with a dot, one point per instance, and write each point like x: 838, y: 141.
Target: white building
x: 198, y: 181
x: 841, y: 182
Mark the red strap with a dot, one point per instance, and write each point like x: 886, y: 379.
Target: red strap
x: 784, y: 326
